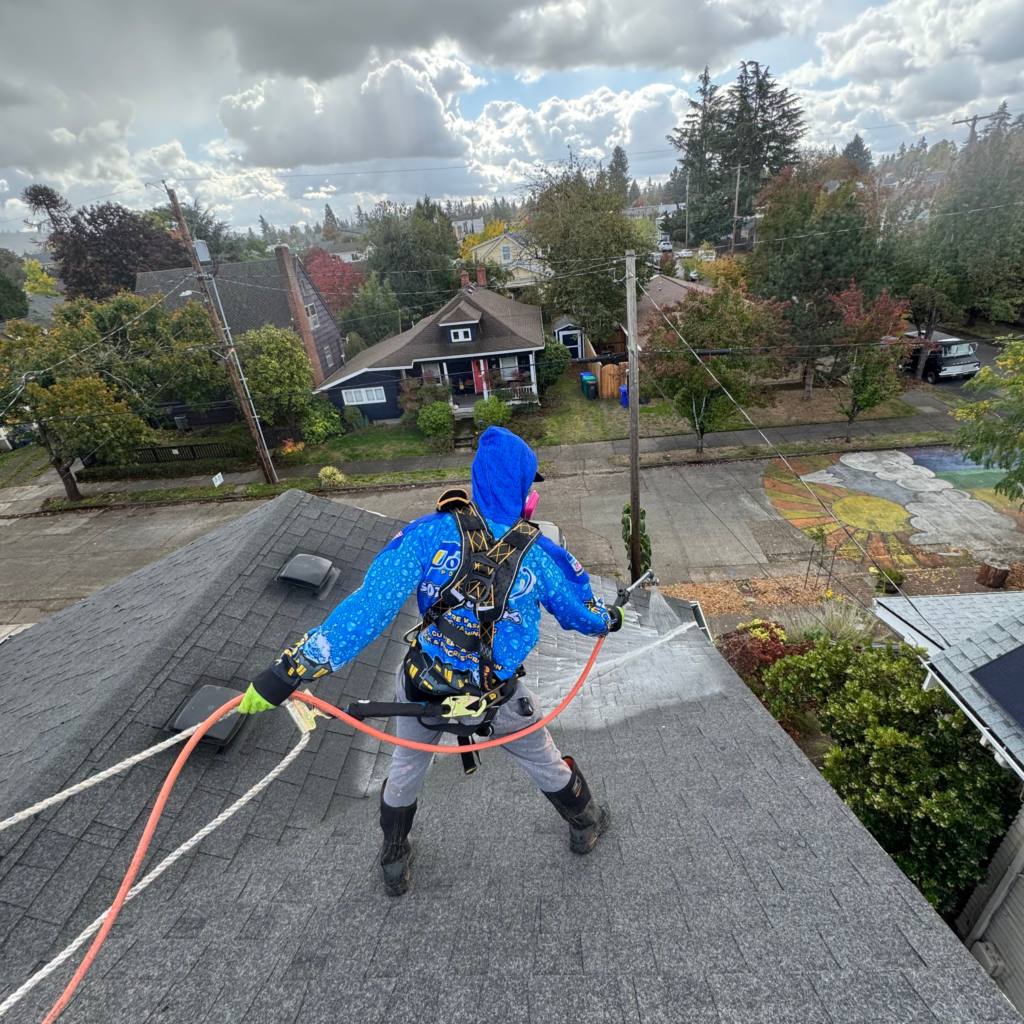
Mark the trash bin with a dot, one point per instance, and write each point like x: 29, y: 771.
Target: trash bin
x: 624, y: 395
x: 591, y: 387
x: 583, y: 380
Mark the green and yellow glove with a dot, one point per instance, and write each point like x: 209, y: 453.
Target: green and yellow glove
x: 274, y: 685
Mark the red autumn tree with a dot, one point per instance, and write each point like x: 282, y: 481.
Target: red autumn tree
x: 336, y: 280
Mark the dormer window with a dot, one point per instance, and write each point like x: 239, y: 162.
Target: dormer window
x: 462, y: 333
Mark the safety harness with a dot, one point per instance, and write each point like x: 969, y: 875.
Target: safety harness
x: 481, y: 586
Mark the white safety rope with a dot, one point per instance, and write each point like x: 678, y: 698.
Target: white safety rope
x: 95, y: 780
x: 299, y: 716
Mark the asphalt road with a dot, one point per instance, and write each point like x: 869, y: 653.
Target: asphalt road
x: 705, y: 523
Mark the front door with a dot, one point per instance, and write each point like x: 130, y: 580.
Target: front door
x: 479, y: 368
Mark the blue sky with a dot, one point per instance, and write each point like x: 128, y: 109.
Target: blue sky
x: 247, y: 91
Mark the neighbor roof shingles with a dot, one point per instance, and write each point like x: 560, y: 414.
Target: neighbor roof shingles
x: 733, y: 884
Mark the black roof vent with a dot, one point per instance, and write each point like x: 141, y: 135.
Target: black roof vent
x: 200, y: 706
x: 310, y: 572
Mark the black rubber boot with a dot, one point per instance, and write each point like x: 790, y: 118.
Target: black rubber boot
x: 396, y: 852
x: 586, y: 817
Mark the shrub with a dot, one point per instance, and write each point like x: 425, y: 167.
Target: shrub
x: 491, y: 412
x: 755, y: 646
x: 436, y: 420
x: 331, y: 477
x: 354, y: 418
x: 415, y: 394
x: 165, y: 470
x: 551, y: 364
x: 627, y: 533
x: 320, y: 422
x: 888, y: 578
x: 291, y: 453
x: 906, y: 760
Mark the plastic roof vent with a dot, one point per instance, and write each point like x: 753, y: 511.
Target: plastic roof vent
x: 310, y: 572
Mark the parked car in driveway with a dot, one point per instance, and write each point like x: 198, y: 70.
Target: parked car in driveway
x: 685, y: 254
x: 948, y: 358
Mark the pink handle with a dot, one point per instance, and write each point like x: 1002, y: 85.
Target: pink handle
x: 531, y: 505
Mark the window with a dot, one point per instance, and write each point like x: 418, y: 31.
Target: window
x: 328, y: 356
x: 509, y: 367
x: 311, y: 315
x: 431, y: 371
x: 506, y: 254
x: 462, y: 334
x: 363, y: 396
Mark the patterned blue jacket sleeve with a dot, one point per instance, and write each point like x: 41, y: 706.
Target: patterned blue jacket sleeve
x: 364, y: 615
x: 566, y: 591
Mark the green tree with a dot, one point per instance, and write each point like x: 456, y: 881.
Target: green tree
x: 579, y: 225
x: 82, y: 417
x: 551, y: 363
x: 906, y: 760
x: 37, y: 281
x: 992, y: 429
x: 225, y: 245
x: 330, y: 228
x: 279, y: 373
x: 375, y: 312
x: 12, y: 266
x: 436, y: 422
x: 858, y: 153
x: 618, y: 172
x: 974, y: 233
x: 813, y: 241
x: 13, y: 300
x: 415, y: 250
x: 634, y: 192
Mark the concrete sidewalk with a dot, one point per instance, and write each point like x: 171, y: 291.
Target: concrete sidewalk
x: 561, y: 459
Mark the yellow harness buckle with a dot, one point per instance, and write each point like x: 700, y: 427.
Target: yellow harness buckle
x: 463, y: 706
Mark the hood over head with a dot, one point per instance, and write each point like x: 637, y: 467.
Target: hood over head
x: 504, y: 469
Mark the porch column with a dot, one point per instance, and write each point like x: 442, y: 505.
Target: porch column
x: 483, y: 377
x: 533, y: 373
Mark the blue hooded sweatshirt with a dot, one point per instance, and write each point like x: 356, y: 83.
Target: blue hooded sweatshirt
x: 424, y: 556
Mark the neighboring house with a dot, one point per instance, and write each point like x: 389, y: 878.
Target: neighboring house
x: 660, y: 293
x: 733, y: 887
x: 349, y: 251
x: 465, y: 226
x: 974, y: 646
x: 653, y: 211
x: 477, y: 344
x: 276, y: 291
x: 512, y: 251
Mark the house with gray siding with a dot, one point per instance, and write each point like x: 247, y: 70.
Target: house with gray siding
x: 260, y: 292
x: 477, y: 344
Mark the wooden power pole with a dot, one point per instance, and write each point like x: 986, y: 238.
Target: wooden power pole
x: 973, y: 122
x: 687, y: 209
x: 634, y: 420
x: 226, y: 348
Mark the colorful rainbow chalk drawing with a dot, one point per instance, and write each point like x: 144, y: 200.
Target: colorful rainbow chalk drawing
x: 902, y: 512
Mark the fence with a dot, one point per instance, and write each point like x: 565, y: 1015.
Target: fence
x: 175, y: 453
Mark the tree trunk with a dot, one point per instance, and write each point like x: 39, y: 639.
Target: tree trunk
x: 922, y: 358
x: 993, y: 574
x: 849, y: 430
x: 808, y: 380
x: 67, y: 478
x: 700, y: 441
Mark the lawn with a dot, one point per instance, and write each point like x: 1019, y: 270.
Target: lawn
x: 22, y: 465
x: 789, y: 409
x: 370, y: 443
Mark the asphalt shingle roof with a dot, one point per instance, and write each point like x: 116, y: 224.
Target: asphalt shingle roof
x: 733, y: 885
x: 948, y: 620
x: 504, y: 326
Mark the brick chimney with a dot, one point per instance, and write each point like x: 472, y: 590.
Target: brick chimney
x: 298, y: 310
x: 481, y: 277
x: 465, y: 278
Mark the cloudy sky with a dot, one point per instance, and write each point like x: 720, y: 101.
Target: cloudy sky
x: 259, y: 106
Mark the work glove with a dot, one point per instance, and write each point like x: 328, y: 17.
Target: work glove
x: 615, y: 613
x: 274, y: 685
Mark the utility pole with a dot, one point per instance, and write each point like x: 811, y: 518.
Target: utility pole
x: 736, y: 208
x: 973, y: 122
x: 634, y: 420
x: 227, y: 349
x: 687, y: 208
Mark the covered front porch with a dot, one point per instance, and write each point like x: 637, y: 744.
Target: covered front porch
x: 512, y: 378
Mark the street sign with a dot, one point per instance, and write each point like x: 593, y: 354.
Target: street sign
x: 218, y: 480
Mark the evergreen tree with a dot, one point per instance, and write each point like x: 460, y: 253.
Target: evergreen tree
x: 618, y: 172
x: 999, y: 122
x: 267, y: 231
x: 330, y: 228
x: 13, y: 300
x: 634, y: 192
x: 858, y: 153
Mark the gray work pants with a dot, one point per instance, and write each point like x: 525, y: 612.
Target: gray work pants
x: 536, y: 753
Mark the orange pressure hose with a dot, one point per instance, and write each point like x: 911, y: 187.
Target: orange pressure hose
x: 172, y: 775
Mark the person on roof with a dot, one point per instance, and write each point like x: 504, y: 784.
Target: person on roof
x: 481, y: 573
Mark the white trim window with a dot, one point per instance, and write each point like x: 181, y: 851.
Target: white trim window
x: 431, y: 371
x: 328, y: 356
x: 363, y: 396
x: 462, y: 333
x: 506, y: 254
x: 509, y: 367
x: 312, y: 316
